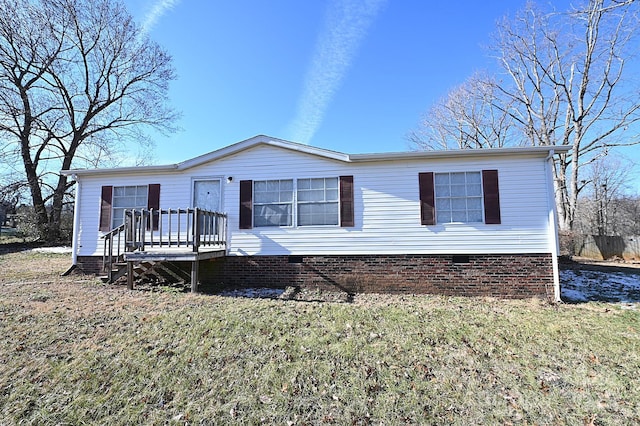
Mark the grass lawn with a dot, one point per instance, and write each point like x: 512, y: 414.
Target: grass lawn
x: 75, y: 351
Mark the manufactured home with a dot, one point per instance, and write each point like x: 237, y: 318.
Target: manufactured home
x: 267, y: 212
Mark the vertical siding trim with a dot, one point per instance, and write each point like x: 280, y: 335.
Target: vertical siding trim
x: 427, y: 199
x: 153, y: 202
x: 105, y: 208
x: 346, y: 202
x: 491, y: 197
x: 246, y: 204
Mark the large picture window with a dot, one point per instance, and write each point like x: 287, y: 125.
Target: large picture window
x: 297, y: 202
x: 458, y: 197
x: 127, y: 197
x: 273, y: 203
x: 318, y: 201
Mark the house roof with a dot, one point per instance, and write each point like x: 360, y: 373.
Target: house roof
x: 262, y: 140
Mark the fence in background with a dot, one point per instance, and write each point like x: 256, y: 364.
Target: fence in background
x: 606, y: 247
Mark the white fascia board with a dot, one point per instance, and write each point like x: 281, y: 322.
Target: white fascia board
x: 261, y: 140
x: 216, y: 155
x: 307, y: 149
x: 319, y: 152
x: 119, y: 170
x: 457, y: 153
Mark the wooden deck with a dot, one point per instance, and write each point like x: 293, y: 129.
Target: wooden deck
x: 172, y: 235
x: 174, y: 255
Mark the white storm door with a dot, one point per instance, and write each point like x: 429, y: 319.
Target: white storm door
x: 206, y: 194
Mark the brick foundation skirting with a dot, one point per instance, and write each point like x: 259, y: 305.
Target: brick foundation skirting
x: 90, y: 264
x: 504, y: 276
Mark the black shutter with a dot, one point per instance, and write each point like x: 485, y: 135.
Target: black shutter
x: 491, y: 197
x: 153, y: 202
x: 427, y: 199
x: 346, y: 201
x: 246, y: 204
x: 105, y: 208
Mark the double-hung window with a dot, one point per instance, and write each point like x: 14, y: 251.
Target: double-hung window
x: 125, y: 198
x: 325, y: 201
x: 273, y: 203
x: 299, y: 202
x: 458, y: 197
x: 318, y: 201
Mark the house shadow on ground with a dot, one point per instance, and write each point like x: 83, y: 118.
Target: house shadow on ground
x: 288, y: 293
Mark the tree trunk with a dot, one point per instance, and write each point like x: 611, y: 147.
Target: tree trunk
x: 39, y: 208
x: 30, y: 168
x: 57, y: 204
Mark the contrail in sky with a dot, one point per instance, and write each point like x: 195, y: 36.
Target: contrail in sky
x: 345, y: 27
x: 159, y: 8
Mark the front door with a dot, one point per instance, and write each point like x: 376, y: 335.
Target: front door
x: 206, y: 194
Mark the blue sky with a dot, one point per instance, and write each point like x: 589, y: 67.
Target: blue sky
x: 347, y: 75
x: 244, y: 66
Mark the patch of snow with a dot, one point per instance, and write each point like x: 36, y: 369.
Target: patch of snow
x: 56, y: 250
x: 585, y: 286
x: 253, y: 293
x: 573, y: 296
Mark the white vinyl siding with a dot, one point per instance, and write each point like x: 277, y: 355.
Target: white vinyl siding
x: 273, y: 203
x: 127, y: 197
x: 458, y: 197
x: 318, y: 201
x: 386, y: 205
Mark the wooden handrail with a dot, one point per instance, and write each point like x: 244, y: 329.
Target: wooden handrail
x: 168, y: 228
x: 112, y: 253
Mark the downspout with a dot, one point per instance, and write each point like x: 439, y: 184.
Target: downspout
x: 76, y: 222
x: 554, y: 243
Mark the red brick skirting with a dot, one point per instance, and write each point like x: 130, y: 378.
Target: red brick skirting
x: 504, y: 276
x: 90, y: 264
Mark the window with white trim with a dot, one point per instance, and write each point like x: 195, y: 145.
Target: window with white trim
x: 127, y: 197
x: 458, y: 197
x: 273, y: 203
x: 318, y: 201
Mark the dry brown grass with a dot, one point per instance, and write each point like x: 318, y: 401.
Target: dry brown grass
x: 73, y: 351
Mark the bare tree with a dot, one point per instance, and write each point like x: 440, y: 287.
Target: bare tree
x: 600, y: 210
x: 466, y: 119
x: 627, y: 214
x: 78, y: 81
x: 567, y: 82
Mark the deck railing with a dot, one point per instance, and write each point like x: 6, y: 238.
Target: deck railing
x: 174, y: 228
x: 144, y: 229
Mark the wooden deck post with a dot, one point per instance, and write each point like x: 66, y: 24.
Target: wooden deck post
x: 130, y: 275
x: 194, y: 276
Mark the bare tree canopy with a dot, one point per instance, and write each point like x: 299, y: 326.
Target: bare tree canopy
x: 466, y: 119
x: 566, y: 80
x: 78, y: 80
x: 604, y: 208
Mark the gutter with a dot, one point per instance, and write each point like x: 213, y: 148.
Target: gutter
x: 554, y: 243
